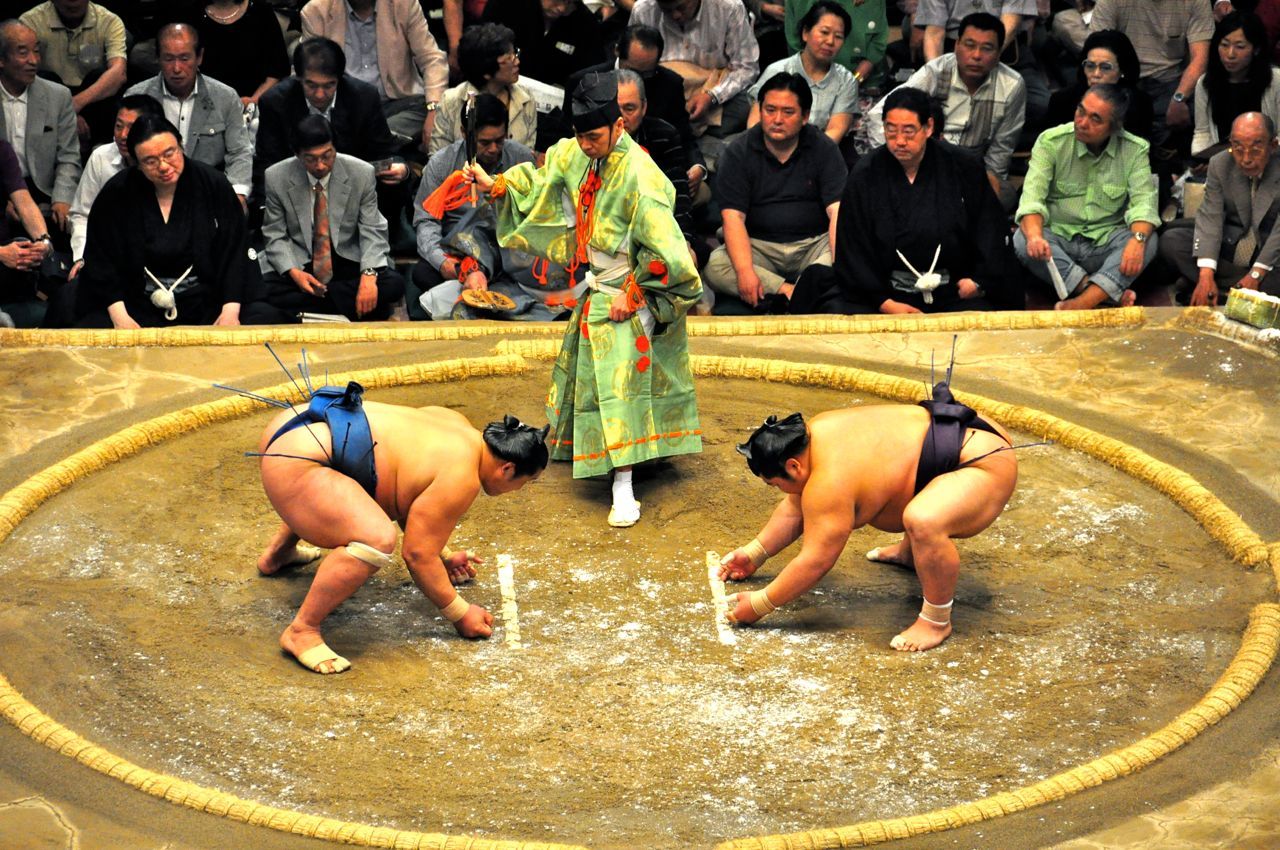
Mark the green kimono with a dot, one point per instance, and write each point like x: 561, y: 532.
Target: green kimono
x: 618, y: 396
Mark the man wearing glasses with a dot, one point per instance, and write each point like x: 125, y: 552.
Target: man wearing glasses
x: 1087, y: 220
x: 1235, y: 242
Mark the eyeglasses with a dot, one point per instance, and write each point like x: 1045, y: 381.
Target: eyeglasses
x: 909, y: 132
x: 153, y: 162
x: 1104, y: 67
x: 1255, y: 148
x: 513, y: 56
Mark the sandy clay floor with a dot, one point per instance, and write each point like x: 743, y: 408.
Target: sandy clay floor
x: 1092, y: 613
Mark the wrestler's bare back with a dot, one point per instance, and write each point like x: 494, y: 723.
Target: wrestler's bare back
x: 867, y: 457
x: 412, y: 446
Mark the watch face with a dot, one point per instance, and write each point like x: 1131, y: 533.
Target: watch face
x: 1256, y: 275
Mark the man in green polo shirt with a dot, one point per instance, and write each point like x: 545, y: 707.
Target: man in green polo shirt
x: 1087, y: 219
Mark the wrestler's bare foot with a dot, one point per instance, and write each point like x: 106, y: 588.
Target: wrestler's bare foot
x: 308, y: 647
x: 285, y: 550
x: 921, y: 636
x: 899, y: 555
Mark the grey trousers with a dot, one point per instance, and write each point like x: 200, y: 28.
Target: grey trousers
x: 775, y: 263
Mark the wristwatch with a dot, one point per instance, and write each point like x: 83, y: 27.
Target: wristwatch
x: 364, y: 272
x: 1140, y: 236
x: 1179, y: 97
x: 1255, y: 274
x: 432, y: 105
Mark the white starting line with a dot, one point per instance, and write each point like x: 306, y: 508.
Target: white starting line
x: 510, y: 612
x: 720, y: 603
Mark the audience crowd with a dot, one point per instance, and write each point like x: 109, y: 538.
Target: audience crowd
x: 179, y: 162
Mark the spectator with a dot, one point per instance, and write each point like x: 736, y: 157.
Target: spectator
x: 1071, y: 26
x: 207, y: 113
x: 39, y: 121
x: 779, y: 190
x: 981, y: 100
x: 105, y: 162
x: 326, y: 242
x: 21, y: 294
x: 387, y: 45
x: 834, y: 88
x: 82, y: 46
x: 321, y: 86
x: 1108, y: 57
x: 710, y: 44
x: 662, y: 142
x: 554, y: 37
x: 1240, y: 79
x: 919, y: 230
x: 639, y: 49
x: 242, y: 41
x: 1172, y: 41
x: 167, y: 242
x: 490, y: 65
x: 448, y: 240
x: 865, y: 41
x: 1234, y: 242
x: 1089, y: 206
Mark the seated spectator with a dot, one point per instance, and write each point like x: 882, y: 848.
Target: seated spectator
x: 387, y: 45
x: 710, y: 44
x: 981, y: 100
x: 22, y: 292
x: 1071, y: 27
x: 941, y: 21
x: 39, y: 120
x: 321, y: 86
x: 105, y: 162
x: 82, y: 46
x: 207, y: 113
x: 1234, y: 241
x: 639, y: 49
x: 865, y: 40
x: 554, y: 37
x: 458, y: 242
x: 920, y: 230
x: 834, y: 88
x: 326, y: 243
x: 779, y: 190
x: 167, y: 243
x: 662, y: 143
x: 490, y: 64
x: 1108, y: 57
x: 1240, y: 79
x: 1172, y: 42
x: 767, y: 20
x: 1089, y: 206
x: 242, y: 42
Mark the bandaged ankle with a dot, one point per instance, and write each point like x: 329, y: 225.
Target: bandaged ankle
x: 454, y: 610
x: 370, y: 555
x: 939, y: 615
x: 756, y: 552
x: 760, y: 603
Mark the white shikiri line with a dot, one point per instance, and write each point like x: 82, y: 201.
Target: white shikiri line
x: 721, y: 606
x: 510, y: 612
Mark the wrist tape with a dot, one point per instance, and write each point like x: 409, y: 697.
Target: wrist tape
x: 756, y: 552
x: 760, y: 603
x: 454, y: 610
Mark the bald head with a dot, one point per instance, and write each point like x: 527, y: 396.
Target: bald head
x: 1253, y: 142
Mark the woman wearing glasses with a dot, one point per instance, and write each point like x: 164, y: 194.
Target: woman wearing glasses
x: 167, y: 243
x: 1239, y: 79
x: 490, y: 65
x: 1107, y: 57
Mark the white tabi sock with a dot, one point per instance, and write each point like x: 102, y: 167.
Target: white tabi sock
x: 624, y: 499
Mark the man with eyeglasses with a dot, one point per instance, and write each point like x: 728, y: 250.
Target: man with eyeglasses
x: 326, y: 243
x: 982, y: 101
x: 1234, y: 242
x: 1087, y: 220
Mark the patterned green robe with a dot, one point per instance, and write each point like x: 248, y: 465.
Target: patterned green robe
x: 617, y: 396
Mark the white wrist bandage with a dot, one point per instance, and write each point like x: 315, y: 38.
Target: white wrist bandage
x: 756, y: 552
x: 760, y: 603
x: 454, y: 611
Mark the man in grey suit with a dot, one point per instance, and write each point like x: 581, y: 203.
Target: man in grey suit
x: 326, y: 242
x: 207, y: 113
x: 1235, y: 242
x: 39, y: 121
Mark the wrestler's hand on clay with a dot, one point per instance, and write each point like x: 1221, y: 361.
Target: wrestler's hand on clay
x: 459, y: 565
x: 736, y: 566
x: 740, y: 611
x: 478, y: 623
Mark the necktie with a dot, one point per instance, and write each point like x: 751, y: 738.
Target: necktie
x: 1249, y: 241
x: 321, y: 245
